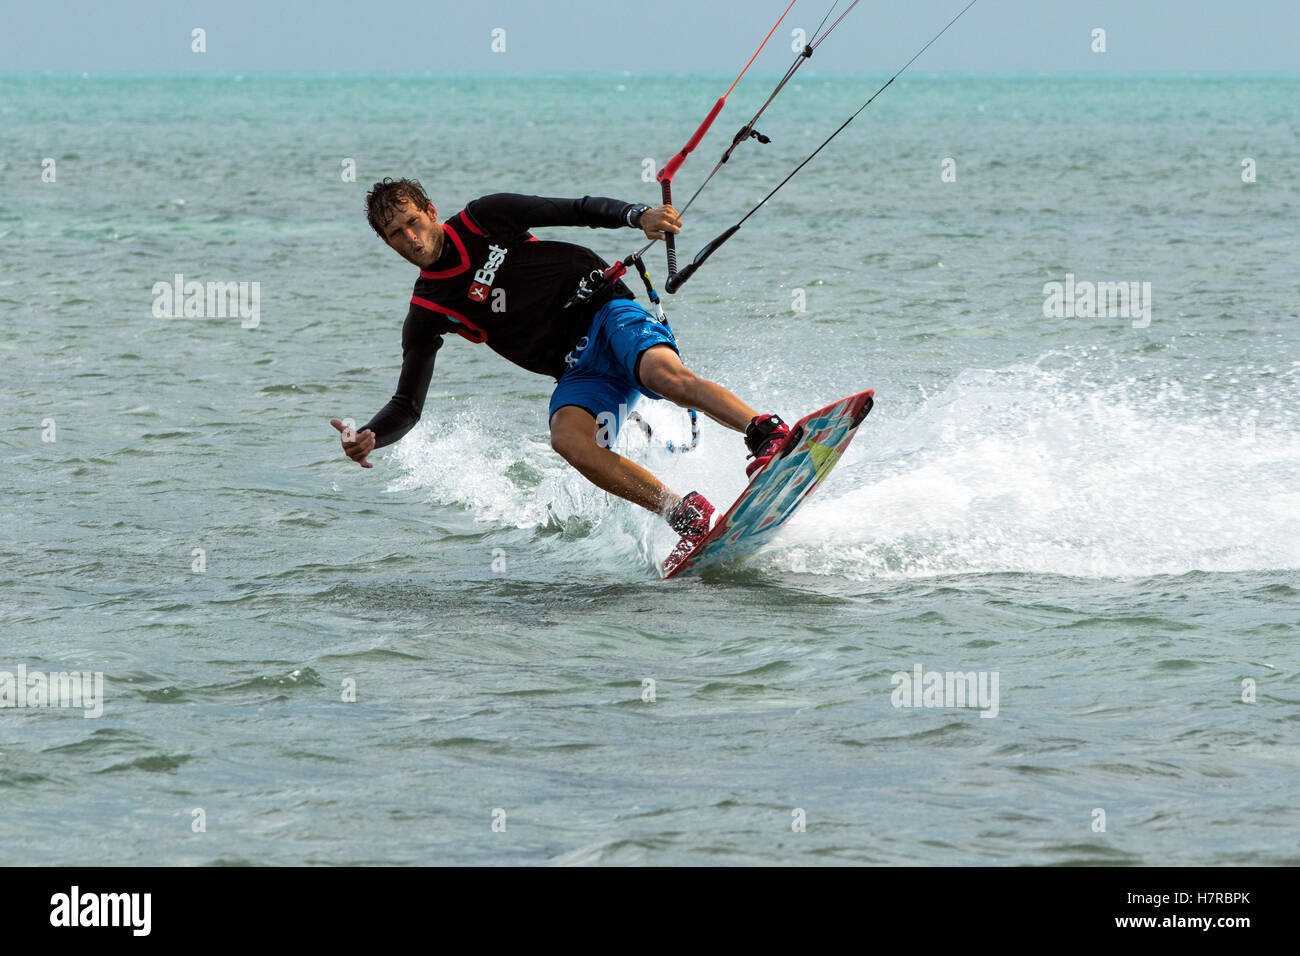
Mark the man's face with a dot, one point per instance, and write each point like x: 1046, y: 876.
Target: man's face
x: 414, y: 234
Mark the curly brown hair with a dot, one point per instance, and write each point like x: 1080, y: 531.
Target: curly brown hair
x: 386, y: 199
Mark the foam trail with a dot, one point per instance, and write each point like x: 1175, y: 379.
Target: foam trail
x: 1059, y: 467
x: 475, y: 462
x: 1033, y: 470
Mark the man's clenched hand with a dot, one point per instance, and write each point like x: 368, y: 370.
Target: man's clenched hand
x: 356, y: 445
x: 659, y: 221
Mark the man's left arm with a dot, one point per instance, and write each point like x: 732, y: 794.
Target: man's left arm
x: 512, y: 214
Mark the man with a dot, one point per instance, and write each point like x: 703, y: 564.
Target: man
x: 486, y: 278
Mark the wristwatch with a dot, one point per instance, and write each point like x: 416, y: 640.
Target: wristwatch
x: 633, y: 215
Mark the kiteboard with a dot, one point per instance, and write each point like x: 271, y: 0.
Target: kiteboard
x: 777, y: 489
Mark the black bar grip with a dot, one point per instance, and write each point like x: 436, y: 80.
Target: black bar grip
x: 670, y: 240
x: 678, y: 279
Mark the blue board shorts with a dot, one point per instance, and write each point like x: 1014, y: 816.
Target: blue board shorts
x: 601, y: 374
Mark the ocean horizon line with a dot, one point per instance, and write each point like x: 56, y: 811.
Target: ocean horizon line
x: 624, y: 74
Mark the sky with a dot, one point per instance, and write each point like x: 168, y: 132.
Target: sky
x: 643, y: 37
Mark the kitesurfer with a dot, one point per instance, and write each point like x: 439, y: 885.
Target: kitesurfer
x: 484, y: 277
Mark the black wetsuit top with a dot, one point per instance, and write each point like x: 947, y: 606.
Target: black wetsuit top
x: 494, y: 283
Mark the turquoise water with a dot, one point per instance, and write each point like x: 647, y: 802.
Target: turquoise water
x: 1105, y: 516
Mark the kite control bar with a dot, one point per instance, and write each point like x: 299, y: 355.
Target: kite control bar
x: 665, y: 176
x: 678, y: 279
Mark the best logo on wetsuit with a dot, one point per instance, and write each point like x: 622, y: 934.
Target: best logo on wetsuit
x: 484, y: 277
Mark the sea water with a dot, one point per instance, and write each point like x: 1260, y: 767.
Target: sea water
x: 465, y: 654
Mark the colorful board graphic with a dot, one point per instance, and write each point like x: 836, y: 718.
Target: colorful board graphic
x: 816, y: 443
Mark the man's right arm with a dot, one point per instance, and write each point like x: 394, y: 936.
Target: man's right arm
x: 421, y: 339
x: 508, y: 214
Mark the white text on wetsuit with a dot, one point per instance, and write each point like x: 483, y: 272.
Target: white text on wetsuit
x: 484, y: 277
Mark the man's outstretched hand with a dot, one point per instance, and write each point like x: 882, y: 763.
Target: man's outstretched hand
x: 659, y: 221
x: 356, y: 445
